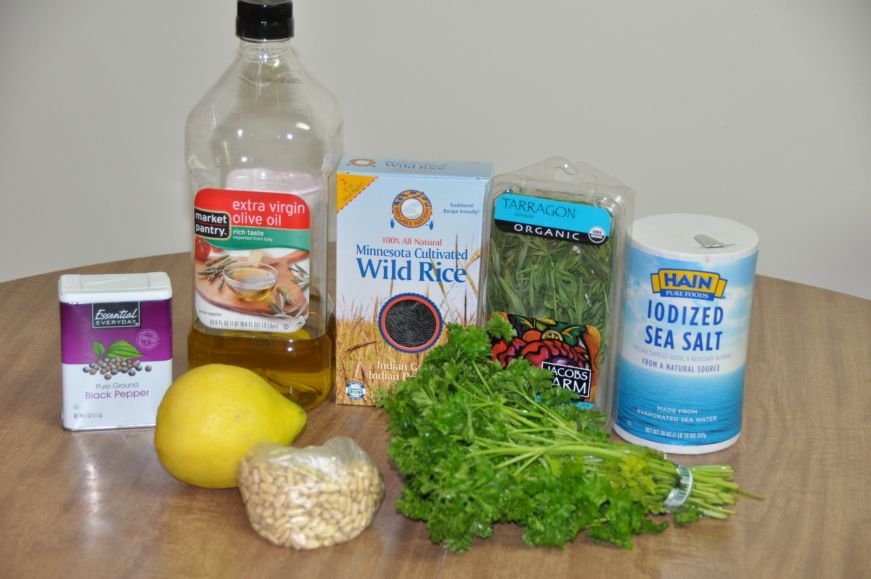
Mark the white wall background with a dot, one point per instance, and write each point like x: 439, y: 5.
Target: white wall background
x: 755, y: 111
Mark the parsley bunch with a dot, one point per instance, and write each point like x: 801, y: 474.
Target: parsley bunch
x: 478, y: 445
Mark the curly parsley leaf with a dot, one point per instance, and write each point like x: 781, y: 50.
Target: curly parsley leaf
x: 478, y: 445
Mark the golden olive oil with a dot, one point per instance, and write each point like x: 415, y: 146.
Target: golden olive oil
x: 295, y: 364
x: 250, y: 283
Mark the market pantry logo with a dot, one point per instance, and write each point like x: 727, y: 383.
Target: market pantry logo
x: 115, y: 315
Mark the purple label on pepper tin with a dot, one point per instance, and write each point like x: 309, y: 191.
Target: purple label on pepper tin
x: 150, y: 341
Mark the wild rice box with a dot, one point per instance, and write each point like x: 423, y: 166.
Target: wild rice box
x: 408, y: 244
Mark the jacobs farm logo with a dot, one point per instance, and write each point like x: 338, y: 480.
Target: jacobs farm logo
x: 411, y: 209
x: 688, y: 283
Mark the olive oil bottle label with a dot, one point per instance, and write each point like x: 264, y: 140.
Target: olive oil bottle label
x: 251, y: 260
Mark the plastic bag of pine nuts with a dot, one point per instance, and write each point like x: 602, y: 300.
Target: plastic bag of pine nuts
x: 310, y: 497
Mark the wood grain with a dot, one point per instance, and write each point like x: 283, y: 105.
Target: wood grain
x: 98, y: 504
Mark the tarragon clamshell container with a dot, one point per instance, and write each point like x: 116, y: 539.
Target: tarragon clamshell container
x: 554, y: 236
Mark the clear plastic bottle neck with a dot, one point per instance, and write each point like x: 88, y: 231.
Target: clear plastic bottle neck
x: 266, y: 51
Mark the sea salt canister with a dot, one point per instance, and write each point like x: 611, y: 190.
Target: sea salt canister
x: 116, y: 348
x: 686, y: 319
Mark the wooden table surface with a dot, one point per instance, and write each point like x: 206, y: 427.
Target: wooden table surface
x: 98, y: 504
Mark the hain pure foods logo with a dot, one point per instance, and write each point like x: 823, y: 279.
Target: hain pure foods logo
x: 115, y: 315
x: 411, y: 209
x: 688, y: 283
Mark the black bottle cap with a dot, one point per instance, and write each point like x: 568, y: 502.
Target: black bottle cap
x: 264, y: 19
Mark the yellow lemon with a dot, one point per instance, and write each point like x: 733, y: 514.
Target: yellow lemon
x: 210, y: 417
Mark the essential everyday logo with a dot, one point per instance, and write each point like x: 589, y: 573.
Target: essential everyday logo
x: 688, y: 283
x: 115, y: 315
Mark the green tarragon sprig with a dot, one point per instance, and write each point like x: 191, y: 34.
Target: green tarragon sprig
x: 479, y: 445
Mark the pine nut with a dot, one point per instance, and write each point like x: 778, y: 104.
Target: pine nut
x: 294, y: 502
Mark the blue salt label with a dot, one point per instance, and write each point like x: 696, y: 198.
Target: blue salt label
x: 680, y: 373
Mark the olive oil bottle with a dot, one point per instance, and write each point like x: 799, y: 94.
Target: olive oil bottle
x: 261, y: 149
